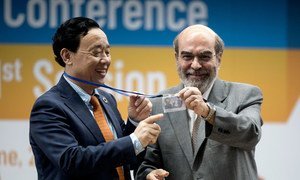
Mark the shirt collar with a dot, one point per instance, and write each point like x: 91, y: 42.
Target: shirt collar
x: 83, y: 95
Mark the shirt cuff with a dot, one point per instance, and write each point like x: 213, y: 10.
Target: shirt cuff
x: 133, y: 122
x: 138, y: 148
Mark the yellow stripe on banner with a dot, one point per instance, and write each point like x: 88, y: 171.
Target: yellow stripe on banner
x: 293, y: 78
x: 266, y: 69
x: 27, y: 71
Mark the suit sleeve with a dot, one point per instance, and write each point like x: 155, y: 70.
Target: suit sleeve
x: 58, y: 135
x: 151, y: 161
x: 239, y: 124
x: 153, y: 158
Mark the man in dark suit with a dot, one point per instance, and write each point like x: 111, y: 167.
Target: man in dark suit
x: 215, y: 137
x: 66, y: 140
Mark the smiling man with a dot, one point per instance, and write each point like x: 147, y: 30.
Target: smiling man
x: 215, y: 137
x: 76, y: 130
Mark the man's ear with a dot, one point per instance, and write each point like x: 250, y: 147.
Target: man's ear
x: 176, y: 56
x: 66, y: 56
x: 219, y: 58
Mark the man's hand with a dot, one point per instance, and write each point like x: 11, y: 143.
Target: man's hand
x: 193, y: 100
x: 158, y: 174
x: 147, y: 131
x: 139, y: 107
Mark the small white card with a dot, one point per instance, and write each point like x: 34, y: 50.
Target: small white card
x: 172, y: 103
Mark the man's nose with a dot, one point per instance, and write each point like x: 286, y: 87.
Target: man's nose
x: 196, y: 63
x: 104, y: 58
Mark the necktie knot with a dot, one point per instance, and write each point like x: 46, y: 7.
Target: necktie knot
x: 95, y: 102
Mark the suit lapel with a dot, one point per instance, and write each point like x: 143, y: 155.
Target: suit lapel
x: 217, y: 96
x: 78, y: 107
x: 218, y: 93
x: 105, y: 103
x: 179, y: 123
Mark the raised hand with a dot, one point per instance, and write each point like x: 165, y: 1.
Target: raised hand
x: 139, y: 107
x: 193, y: 100
x: 147, y: 131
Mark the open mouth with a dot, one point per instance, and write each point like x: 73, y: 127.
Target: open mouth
x: 197, y: 75
x: 101, y: 72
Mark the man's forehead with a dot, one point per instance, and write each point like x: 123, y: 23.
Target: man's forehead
x: 196, y: 41
x: 95, y: 38
x: 199, y: 32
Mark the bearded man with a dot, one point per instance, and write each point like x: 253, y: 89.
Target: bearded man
x: 215, y: 137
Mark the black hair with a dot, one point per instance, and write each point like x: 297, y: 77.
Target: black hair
x: 68, y: 35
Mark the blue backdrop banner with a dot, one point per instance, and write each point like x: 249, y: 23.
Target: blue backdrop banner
x: 240, y: 23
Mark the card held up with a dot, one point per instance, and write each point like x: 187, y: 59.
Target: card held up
x: 172, y: 103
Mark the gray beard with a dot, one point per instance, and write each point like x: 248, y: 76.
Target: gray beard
x: 202, y: 85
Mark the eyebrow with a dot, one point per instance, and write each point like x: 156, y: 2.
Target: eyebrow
x: 185, y: 52
x: 206, y: 52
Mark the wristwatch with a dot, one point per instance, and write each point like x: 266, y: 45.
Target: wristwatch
x: 211, y: 112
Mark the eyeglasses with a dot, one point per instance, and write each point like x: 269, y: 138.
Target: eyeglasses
x: 97, y: 54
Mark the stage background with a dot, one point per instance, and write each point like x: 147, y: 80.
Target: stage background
x: 262, y: 48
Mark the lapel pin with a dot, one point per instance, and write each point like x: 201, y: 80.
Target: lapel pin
x: 105, y: 100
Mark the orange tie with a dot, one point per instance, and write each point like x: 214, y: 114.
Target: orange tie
x: 103, y: 125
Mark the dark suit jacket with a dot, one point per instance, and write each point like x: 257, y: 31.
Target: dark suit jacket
x: 228, y: 151
x: 67, y: 142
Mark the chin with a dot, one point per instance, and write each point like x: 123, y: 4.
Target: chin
x: 198, y: 79
x: 99, y: 81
